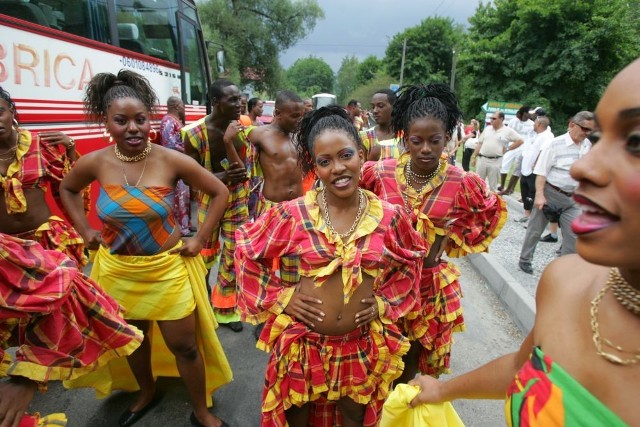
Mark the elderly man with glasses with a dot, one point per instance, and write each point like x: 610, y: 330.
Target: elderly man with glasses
x: 494, y: 141
x: 555, y: 187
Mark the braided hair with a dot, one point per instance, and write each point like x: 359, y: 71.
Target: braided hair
x: 435, y: 100
x: 104, y: 88
x: 314, y: 123
x: 12, y: 105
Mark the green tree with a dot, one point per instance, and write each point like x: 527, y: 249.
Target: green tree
x: 364, y: 92
x: 346, y: 79
x: 254, y: 32
x: 368, y: 69
x: 429, y: 52
x: 559, y: 54
x: 310, y: 75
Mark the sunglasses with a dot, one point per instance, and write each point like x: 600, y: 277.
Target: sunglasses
x: 584, y: 128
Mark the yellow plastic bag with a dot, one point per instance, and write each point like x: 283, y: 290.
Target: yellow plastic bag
x: 397, y: 412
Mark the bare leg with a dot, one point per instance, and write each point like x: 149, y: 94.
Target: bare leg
x: 352, y: 412
x: 503, y: 179
x: 512, y: 184
x: 553, y: 228
x: 298, y: 416
x: 180, y: 336
x: 140, y: 364
x: 410, y: 363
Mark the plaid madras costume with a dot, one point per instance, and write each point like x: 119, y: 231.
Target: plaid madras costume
x: 383, y: 246
x: 389, y: 148
x: 136, y: 220
x: 224, y: 293
x: 64, y: 324
x: 454, y: 204
x: 287, y: 265
x: 39, y: 165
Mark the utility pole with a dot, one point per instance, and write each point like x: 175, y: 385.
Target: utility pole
x: 404, y: 50
x: 453, y: 70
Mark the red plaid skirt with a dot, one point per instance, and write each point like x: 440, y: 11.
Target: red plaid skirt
x: 58, y: 235
x: 306, y: 366
x: 63, y: 324
x: 440, y: 316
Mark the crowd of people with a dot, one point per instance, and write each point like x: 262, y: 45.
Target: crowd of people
x: 332, y: 234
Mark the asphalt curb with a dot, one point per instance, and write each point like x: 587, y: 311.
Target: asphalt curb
x: 520, y: 304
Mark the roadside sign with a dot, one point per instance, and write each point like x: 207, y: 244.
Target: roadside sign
x: 508, y: 108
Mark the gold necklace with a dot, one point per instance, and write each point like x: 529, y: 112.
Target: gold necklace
x: 135, y: 158
x: 626, y: 294
x: 328, y: 220
x: 595, y: 327
x: 144, y: 166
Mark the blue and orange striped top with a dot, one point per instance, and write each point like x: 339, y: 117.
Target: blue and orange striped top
x: 137, y: 220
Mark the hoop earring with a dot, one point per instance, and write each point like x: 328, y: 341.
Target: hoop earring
x: 155, y: 134
x: 15, y: 123
x: 107, y: 137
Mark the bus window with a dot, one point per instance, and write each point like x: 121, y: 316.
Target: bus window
x: 195, y: 69
x: 148, y: 27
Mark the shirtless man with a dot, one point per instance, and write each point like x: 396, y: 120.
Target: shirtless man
x: 218, y: 143
x: 278, y: 159
x: 277, y: 156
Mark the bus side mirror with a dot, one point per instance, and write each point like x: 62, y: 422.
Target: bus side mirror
x: 220, y: 61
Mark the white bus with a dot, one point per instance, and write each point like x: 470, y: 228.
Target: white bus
x: 322, y: 100
x: 50, y: 49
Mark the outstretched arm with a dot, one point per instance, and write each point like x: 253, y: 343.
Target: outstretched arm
x: 71, y: 187
x: 196, y: 176
x: 15, y: 396
x: 489, y: 381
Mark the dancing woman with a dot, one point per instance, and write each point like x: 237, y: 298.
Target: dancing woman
x: 452, y: 210
x: 29, y: 164
x: 141, y: 260
x: 332, y: 337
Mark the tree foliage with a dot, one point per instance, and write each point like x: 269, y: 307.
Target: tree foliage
x: 429, y: 52
x: 347, y: 78
x: 311, y: 75
x: 363, y: 93
x: 368, y: 69
x: 253, y: 32
x: 558, y: 54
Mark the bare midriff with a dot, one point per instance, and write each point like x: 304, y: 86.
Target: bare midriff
x: 339, y: 317
x: 282, y: 182
x: 429, y: 260
x: 37, y: 213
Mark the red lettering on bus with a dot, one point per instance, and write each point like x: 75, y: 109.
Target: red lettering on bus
x: 56, y: 69
x: 18, y: 49
x: 86, y: 76
x: 3, y: 69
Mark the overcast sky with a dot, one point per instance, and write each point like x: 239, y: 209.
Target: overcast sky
x: 365, y: 27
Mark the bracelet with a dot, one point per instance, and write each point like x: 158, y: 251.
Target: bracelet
x: 72, y: 143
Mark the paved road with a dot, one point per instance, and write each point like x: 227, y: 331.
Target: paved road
x: 490, y: 333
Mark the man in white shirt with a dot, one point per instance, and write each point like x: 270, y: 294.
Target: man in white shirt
x: 530, y: 154
x: 522, y: 124
x: 555, y: 187
x: 494, y: 141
